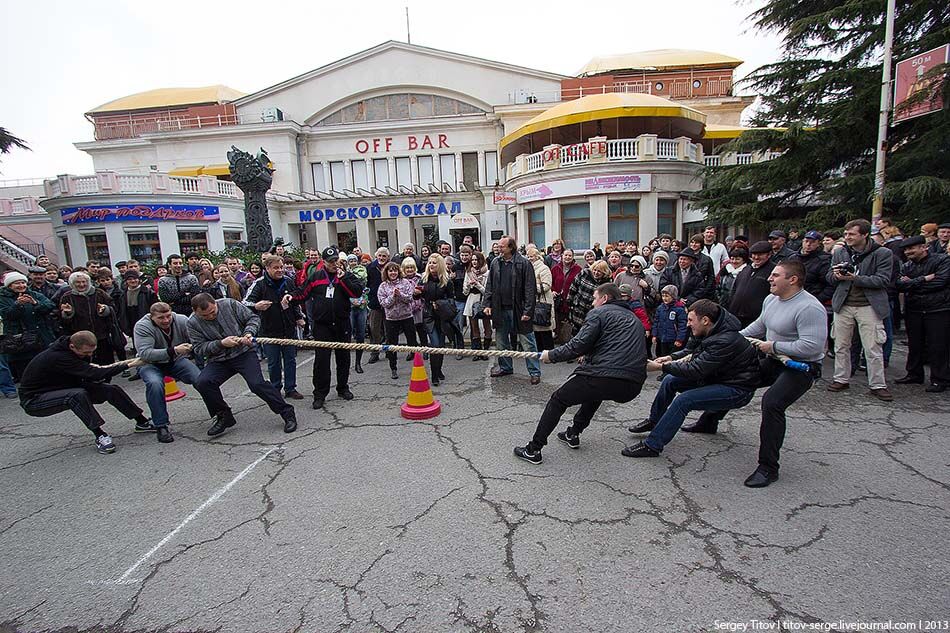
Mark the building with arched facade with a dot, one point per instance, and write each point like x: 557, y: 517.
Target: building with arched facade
x: 402, y: 143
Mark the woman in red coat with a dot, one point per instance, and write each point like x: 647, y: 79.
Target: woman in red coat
x: 562, y: 275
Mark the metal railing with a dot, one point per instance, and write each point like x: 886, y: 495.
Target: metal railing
x: 16, y: 252
x: 684, y: 88
x: 132, y: 128
x: 155, y: 183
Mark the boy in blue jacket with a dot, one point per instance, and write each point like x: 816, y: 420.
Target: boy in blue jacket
x: 669, y: 323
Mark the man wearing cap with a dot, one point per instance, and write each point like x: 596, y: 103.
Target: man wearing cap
x: 752, y: 284
x: 780, y: 251
x: 375, y: 318
x: 716, y: 251
x: 39, y: 284
x: 939, y: 245
x: 817, y: 263
x: 408, y: 250
x: 925, y: 281
x: 687, y: 278
x: 330, y: 287
x: 861, y: 273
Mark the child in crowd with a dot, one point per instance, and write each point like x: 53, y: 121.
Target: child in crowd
x: 635, y: 306
x: 669, y: 324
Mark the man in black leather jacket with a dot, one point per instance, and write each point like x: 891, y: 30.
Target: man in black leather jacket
x: 722, y: 372
x: 613, y: 343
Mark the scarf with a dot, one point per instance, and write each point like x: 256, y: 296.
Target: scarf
x: 132, y: 297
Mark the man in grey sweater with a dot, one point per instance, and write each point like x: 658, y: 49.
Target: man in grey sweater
x: 793, y: 323
x: 861, y: 274
x: 223, y: 333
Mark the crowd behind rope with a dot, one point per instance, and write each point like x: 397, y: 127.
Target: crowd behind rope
x: 195, y: 320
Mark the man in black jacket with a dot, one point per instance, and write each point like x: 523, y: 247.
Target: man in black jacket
x: 817, y: 263
x: 60, y: 378
x: 925, y: 281
x: 721, y: 373
x: 270, y: 295
x: 374, y: 278
x: 330, y: 288
x: 752, y: 285
x: 613, y: 343
x: 705, y: 265
x: 691, y: 282
x: 780, y: 251
x: 510, y: 293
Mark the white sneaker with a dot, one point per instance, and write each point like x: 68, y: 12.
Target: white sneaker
x: 105, y: 444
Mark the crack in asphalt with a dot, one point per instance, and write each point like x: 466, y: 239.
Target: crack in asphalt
x: 24, y: 518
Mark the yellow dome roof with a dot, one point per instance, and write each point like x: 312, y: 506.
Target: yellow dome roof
x: 606, y: 106
x: 662, y: 59
x: 164, y: 97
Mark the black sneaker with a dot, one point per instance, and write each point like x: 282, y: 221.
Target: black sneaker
x: 760, y: 478
x: 373, y: 358
x: 524, y: 453
x: 222, y: 421
x: 639, y: 450
x: 570, y: 438
x: 145, y: 427
x: 318, y: 403
x: 290, y: 421
x: 346, y: 394
x: 643, y: 427
x: 164, y: 435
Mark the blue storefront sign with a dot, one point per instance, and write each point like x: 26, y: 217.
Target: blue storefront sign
x: 376, y: 212
x: 141, y: 212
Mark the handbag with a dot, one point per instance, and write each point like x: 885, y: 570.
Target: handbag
x: 25, y: 343
x: 478, y: 310
x: 445, y: 309
x: 542, y: 314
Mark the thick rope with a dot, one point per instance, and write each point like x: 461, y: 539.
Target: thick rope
x: 398, y: 349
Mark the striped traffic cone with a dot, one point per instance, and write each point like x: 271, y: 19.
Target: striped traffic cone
x: 172, y: 392
x: 420, y: 405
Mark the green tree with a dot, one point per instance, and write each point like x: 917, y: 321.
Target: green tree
x: 8, y: 142
x: 822, y: 100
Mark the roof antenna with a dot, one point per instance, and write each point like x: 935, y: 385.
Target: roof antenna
x: 408, y: 38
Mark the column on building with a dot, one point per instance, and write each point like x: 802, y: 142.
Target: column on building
x: 118, y: 243
x: 648, y: 220
x: 77, y: 246
x: 598, y: 219
x: 552, y: 223
x: 168, y: 239
x: 366, y: 235
x: 481, y: 168
x: 403, y: 233
x: 326, y: 234
x: 216, y: 236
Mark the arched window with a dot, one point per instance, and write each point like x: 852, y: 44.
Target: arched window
x: 397, y: 107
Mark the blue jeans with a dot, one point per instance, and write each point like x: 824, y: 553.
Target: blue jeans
x: 6, y: 379
x: 889, y: 343
x: 503, y: 333
x: 182, y: 370
x: 288, y: 354
x: 669, y: 410
x: 358, y: 324
x: 459, y: 323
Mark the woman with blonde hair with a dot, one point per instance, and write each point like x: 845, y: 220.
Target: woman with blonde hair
x: 544, y: 334
x: 473, y: 286
x: 395, y: 296
x: 411, y: 272
x: 438, y: 308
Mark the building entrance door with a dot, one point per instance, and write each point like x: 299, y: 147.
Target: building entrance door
x: 346, y: 241
x: 458, y: 236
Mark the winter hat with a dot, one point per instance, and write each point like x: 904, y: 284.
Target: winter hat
x: 662, y: 255
x: 639, y: 259
x: 671, y: 290
x: 625, y: 290
x: 13, y: 276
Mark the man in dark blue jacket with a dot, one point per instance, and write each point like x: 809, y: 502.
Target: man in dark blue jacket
x: 613, y: 343
x: 722, y: 373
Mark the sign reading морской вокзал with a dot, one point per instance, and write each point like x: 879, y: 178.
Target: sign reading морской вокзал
x: 579, y: 186
x: 377, y: 212
x: 140, y: 212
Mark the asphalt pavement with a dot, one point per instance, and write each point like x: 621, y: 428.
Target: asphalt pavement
x: 365, y: 521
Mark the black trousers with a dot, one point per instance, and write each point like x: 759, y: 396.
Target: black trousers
x: 587, y: 391
x: 785, y: 386
x: 393, y: 329
x: 928, y: 338
x: 217, y: 372
x: 80, y: 401
x: 321, y: 365
x: 664, y: 348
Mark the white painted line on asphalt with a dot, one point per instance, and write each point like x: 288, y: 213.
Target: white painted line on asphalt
x: 123, y: 579
x: 309, y: 359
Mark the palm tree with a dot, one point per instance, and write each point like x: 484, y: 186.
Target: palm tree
x: 8, y: 142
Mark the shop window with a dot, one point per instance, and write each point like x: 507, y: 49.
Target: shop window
x: 536, y: 227
x: 666, y: 216
x: 360, y: 177
x: 97, y: 248
x: 337, y: 176
x: 403, y: 174
x: 623, y: 220
x: 319, y: 181
x: 426, y: 175
x: 447, y: 163
x: 491, y: 168
x: 381, y: 172
x: 232, y: 238
x: 193, y: 242
x: 575, y: 225
x: 145, y: 247
x: 470, y: 170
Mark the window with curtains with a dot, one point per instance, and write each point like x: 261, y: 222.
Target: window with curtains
x: 97, y: 248
x: 319, y: 181
x: 575, y: 225
x: 623, y: 220
x: 491, y: 168
x: 536, y: 226
x: 144, y: 247
x: 426, y: 175
x: 447, y: 163
x: 666, y: 216
x: 360, y: 178
x: 403, y: 174
x: 193, y: 242
x: 337, y: 175
x: 381, y: 171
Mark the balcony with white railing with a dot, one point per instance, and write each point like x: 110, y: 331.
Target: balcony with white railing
x: 133, y: 127
x: 722, y: 160
x: 599, y: 150
x: 108, y: 182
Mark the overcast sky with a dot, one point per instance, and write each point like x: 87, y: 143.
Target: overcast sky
x: 63, y: 58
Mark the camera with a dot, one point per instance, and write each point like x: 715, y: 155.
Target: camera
x: 845, y: 268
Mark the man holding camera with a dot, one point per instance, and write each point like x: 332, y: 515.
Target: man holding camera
x: 861, y: 273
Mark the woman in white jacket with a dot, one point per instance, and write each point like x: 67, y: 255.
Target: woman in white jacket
x: 542, y: 275
x: 473, y: 286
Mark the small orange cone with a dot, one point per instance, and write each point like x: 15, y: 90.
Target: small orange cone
x: 172, y: 392
x: 420, y: 405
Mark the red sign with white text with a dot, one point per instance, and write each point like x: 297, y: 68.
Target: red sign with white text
x: 910, y: 80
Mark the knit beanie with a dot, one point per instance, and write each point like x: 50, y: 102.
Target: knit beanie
x: 12, y: 277
x: 639, y: 259
x: 672, y: 291
x: 662, y: 255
